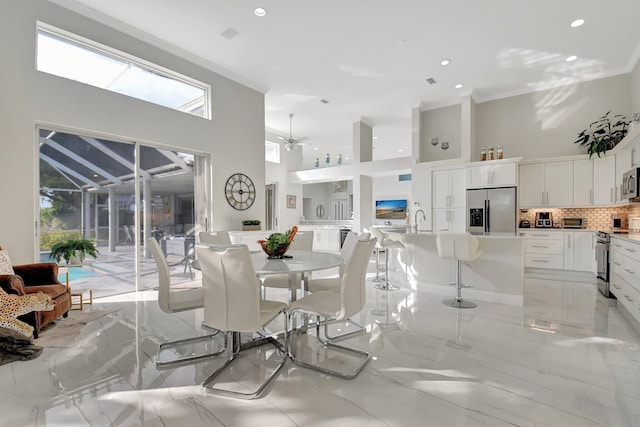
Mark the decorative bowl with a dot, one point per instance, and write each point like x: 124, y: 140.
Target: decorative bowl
x: 277, y: 253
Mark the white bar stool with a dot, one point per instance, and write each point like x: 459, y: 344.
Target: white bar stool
x: 462, y: 248
x: 385, y: 245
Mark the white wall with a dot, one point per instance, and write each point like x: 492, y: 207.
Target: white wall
x: 635, y: 88
x: 390, y: 188
x: 278, y: 173
x: 445, y: 124
x: 234, y: 137
x: 319, y: 194
x: 545, y: 124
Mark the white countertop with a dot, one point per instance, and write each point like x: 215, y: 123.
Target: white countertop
x: 431, y: 233
x: 630, y: 237
x: 585, y: 230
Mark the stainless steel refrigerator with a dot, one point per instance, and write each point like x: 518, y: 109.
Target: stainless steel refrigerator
x: 491, y: 211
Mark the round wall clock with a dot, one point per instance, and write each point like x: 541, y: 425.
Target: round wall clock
x: 240, y: 191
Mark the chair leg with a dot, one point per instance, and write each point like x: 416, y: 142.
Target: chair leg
x: 191, y: 356
x: 386, y: 286
x: 234, y: 347
x: 360, y: 329
x: 328, y: 345
x: 458, y: 302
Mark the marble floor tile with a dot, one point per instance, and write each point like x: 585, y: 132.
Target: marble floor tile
x: 566, y: 358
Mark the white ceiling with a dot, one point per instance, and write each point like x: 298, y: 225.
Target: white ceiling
x: 370, y: 58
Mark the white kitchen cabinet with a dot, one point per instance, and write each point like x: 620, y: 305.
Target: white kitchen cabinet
x: 492, y: 175
x: 579, y: 251
x: 546, y: 184
x: 449, y: 189
x: 532, y: 186
x: 544, y: 249
x: 451, y: 220
x: 324, y: 238
x: 625, y: 274
x: 449, y: 200
x: 582, y: 182
x: 604, y: 180
x: 559, y: 250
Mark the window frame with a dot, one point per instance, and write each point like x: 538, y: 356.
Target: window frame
x: 118, y: 55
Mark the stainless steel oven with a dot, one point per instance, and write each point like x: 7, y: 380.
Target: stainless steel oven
x: 602, y: 260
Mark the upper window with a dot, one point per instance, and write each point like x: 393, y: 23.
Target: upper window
x: 272, y: 152
x: 66, y: 55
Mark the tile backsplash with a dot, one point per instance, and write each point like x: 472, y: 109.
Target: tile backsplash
x: 597, y: 218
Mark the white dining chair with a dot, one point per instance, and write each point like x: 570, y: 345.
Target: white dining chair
x: 302, y: 241
x: 214, y: 237
x: 232, y: 304
x: 334, y: 283
x: 338, y: 306
x: 186, y: 296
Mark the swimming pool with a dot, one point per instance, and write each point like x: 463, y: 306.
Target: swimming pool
x: 74, y: 273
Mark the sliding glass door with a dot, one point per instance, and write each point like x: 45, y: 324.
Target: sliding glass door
x: 89, y: 188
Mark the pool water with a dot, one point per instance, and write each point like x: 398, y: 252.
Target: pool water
x: 74, y: 273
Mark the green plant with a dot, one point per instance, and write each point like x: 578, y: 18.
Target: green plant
x: 251, y: 222
x: 603, y: 135
x: 275, y: 240
x: 73, y: 247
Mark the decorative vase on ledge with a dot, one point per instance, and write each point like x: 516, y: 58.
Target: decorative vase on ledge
x: 251, y: 228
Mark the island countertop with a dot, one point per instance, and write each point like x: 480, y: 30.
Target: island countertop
x: 497, y: 275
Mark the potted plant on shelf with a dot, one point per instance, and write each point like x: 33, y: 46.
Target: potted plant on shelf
x: 603, y: 134
x: 250, y: 225
x: 73, y: 251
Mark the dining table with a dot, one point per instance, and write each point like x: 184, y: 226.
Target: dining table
x: 296, y: 262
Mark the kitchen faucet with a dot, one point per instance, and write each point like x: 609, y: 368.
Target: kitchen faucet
x: 415, y: 219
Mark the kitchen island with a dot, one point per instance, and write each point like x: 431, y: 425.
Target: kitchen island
x: 496, y: 276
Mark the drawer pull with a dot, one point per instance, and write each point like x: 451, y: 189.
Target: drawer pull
x: 633, y: 251
x: 628, y: 299
x: 539, y: 246
x: 540, y: 260
x: 617, y: 245
x: 541, y: 235
x: 617, y: 263
x: 628, y: 271
x: 615, y: 286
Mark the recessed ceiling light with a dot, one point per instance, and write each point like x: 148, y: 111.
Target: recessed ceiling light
x: 260, y: 11
x: 346, y: 158
x: 375, y: 137
x: 571, y: 58
x: 577, y: 23
x: 445, y: 62
x: 459, y: 86
x: 400, y: 150
x: 315, y: 148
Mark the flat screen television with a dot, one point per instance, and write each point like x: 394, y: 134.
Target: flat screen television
x: 391, y: 209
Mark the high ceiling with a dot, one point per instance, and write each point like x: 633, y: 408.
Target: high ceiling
x: 370, y: 58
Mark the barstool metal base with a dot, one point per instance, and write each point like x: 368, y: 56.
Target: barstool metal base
x: 462, y: 285
x: 386, y: 287
x: 459, y: 303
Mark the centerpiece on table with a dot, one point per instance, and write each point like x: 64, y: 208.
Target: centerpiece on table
x: 277, y: 244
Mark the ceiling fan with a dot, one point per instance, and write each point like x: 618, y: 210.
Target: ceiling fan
x: 290, y: 144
